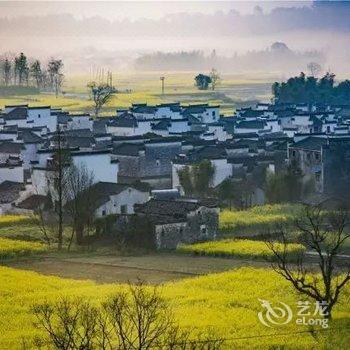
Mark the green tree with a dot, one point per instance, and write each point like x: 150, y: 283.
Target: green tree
x: 21, y: 68
x: 185, y: 179
x: 203, y: 175
x: 7, y: 72
x: 56, y: 76
x: 36, y: 73
x: 202, y: 81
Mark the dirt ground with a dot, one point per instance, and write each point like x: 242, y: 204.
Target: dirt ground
x: 152, y: 268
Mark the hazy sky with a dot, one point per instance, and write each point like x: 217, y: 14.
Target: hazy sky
x: 133, y: 9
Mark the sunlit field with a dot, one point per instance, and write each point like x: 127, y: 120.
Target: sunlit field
x: 14, y: 248
x: 240, y: 248
x: 141, y: 87
x: 258, y: 219
x: 226, y: 303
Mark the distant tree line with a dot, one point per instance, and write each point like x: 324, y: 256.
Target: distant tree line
x: 20, y: 71
x: 276, y: 57
x: 310, y: 90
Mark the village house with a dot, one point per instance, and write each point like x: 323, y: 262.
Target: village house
x: 180, y: 221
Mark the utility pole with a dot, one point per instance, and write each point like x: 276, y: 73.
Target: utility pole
x: 162, y: 80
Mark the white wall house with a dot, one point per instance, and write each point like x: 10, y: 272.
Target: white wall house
x: 122, y: 202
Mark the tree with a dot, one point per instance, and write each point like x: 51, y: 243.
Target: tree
x: 314, y: 68
x: 202, y: 81
x: 196, y: 179
x: 285, y: 186
x: 215, y: 78
x: 100, y: 94
x: 185, y: 179
x: 36, y: 73
x: 56, y: 75
x: 226, y: 192
x: 7, y: 71
x: 80, y: 196
x: 58, y: 179
x: 138, y: 319
x: 21, y: 68
x: 323, y: 233
x: 203, y: 173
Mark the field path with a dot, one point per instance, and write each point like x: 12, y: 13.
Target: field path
x: 152, y: 268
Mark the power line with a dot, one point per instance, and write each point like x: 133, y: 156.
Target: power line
x: 252, y: 337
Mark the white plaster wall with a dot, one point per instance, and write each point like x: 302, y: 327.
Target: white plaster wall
x: 14, y: 173
x: 99, y: 164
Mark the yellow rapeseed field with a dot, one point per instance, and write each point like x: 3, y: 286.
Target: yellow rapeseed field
x: 226, y: 303
x: 257, y: 218
x: 238, y: 248
x: 13, y: 248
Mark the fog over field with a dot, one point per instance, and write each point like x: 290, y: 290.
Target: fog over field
x: 116, y: 34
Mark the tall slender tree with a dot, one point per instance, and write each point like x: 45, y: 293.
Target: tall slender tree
x: 56, y: 75
x: 7, y: 71
x: 36, y: 73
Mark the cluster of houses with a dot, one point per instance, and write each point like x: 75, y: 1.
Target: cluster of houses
x: 135, y: 156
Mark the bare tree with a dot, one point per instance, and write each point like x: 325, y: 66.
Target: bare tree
x: 81, y: 196
x: 58, y: 169
x: 139, y: 319
x: 100, y: 95
x: 314, y: 69
x: 323, y: 233
x: 215, y: 78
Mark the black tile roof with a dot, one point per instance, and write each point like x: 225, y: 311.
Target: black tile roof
x: 17, y: 113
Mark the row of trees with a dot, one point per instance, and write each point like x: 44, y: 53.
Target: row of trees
x: 136, y: 319
x: 21, y: 71
x: 311, y: 90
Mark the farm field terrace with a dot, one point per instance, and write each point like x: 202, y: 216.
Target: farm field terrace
x: 226, y: 303
x: 239, y: 248
x: 234, y: 92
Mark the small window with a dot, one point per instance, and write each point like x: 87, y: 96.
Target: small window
x: 213, y: 113
x: 317, y: 156
x: 318, y: 176
x: 328, y: 129
x: 124, y: 209
x: 103, y: 212
x: 203, y: 229
x: 39, y: 116
x: 157, y: 162
x: 294, y: 153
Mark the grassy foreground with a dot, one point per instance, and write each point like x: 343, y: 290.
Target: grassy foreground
x: 227, y: 303
x: 239, y: 248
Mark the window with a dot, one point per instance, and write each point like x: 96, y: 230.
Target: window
x: 318, y: 176
x: 157, y: 162
x: 39, y: 116
x: 294, y: 153
x: 104, y: 212
x: 124, y: 209
x: 204, y: 229
x: 328, y: 129
x: 213, y: 113
x: 317, y: 156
